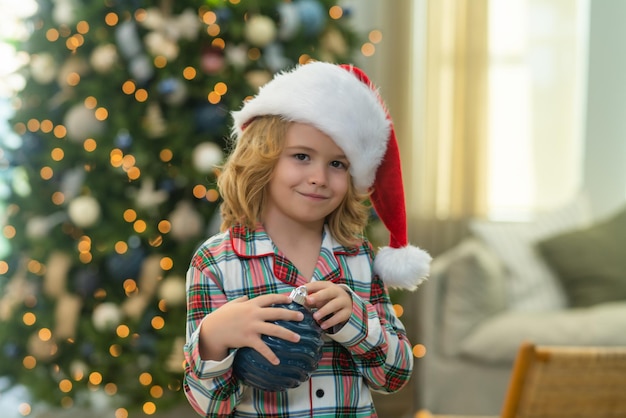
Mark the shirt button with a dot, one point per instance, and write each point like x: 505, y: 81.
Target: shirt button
x: 319, y: 393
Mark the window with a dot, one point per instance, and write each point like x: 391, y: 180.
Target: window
x: 537, y: 73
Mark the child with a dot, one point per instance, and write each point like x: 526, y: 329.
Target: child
x: 310, y: 147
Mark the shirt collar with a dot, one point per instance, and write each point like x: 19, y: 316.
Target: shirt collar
x: 252, y: 243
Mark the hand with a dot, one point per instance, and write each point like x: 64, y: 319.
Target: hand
x: 241, y: 322
x: 333, y: 303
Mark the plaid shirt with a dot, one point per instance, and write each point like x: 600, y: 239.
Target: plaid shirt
x: 370, y: 352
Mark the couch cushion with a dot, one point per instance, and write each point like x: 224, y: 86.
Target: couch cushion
x: 497, y: 340
x: 473, y: 290
x: 590, y: 262
x: 532, y: 286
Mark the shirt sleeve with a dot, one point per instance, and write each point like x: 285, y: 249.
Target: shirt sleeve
x: 377, y: 340
x: 210, y: 386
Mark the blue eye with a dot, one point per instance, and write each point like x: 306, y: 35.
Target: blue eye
x: 301, y: 157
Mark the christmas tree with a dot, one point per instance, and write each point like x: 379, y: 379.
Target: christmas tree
x: 122, y: 125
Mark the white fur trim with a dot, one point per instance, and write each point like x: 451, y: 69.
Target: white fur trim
x: 337, y: 103
x: 403, y: 268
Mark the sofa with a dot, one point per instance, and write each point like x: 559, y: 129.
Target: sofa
x: 557, y: 280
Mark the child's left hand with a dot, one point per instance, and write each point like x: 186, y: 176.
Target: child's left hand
x: 333, y: 303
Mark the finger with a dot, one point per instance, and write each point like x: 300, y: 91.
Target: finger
x: 239, y: 299
x: 271, y: 299
x: 281, y: 314
x: 277, y: 331
x: 266, y: 352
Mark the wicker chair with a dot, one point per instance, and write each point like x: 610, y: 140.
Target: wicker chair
x: 567, y: 382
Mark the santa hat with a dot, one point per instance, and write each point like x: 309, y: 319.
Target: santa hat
x: 340, y: 101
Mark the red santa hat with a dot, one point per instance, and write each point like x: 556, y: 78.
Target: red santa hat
x: 340, y: 101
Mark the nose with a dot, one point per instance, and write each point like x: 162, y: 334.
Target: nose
x: 318, y: 175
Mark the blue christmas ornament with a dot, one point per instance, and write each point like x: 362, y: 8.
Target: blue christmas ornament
x: 210, y: 117
x: 86, y: 281
x: 127, y: 265
x: 312, y: 16
x: 123, y: 139
x: 297, y: 360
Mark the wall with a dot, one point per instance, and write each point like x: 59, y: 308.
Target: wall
x: 605, y: 137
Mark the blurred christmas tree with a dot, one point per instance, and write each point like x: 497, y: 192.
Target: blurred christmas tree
x: 121, y: 124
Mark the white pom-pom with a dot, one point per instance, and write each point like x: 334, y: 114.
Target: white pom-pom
x: 402, y: 268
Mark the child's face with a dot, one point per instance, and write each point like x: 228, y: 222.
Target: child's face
x: 310, y: 179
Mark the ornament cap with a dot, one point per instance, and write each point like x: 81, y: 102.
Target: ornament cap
x: 298, y: 295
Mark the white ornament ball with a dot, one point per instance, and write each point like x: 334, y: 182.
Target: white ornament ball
x: 141, y: 68
x: 104, y: 57
x: 206, y: 156
x: 289, y: 21
x: 186, y: 222
x: 81, y: 123
x: 106, y: 316
x: 43, y: 68
x: 84, y: 211
x: 37, y: 227
x: 260, y: 30
x: 258, y: 78
x: 172, y: 290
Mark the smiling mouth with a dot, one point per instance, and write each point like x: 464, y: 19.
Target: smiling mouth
x: 314, y: 196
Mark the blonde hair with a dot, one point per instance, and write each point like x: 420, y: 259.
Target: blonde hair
x: 248, y: 170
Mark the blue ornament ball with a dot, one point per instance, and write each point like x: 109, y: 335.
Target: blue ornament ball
x: 297, y: 360
x: 210, y: 117
x: 127, y: 265
x: 86, y: 281
x: 312, y: 16
x: 123, y: 139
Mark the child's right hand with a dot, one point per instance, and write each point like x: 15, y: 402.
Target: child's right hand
x: 241, y: 322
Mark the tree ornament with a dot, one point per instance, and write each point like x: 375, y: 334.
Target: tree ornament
x: 42, y: 350
x: 55, y: 280
x: 173, y: 90
x: 127, y: 265
x: 206, y: 156
x: 43, y: 67
x: 81, y: 123
x: 147, y: 197
x: 209, y: 117
x: 212, y: 60
x: 312, y: 16
x: 66, y: 316
x: 103, y: 58
x: 72, y: 181
x: 154, y: 122
x: 172, y: 290
x: 157, y: 43
x: 188, y: 25
x: 123, y: 139
x: 260, y: 30
x: 84, y: 211
x: 86, y: 281
x: 236, y: 55
x: 297, y: 360
x: 186, y: 222
x: 274, y: 57
x: 257, y: 78
x: 289, y: 23
x: 64, y: 12
x: 141, y: 68
x: 176, y: 359
x: 127, y: 39
x: 106, y: 316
